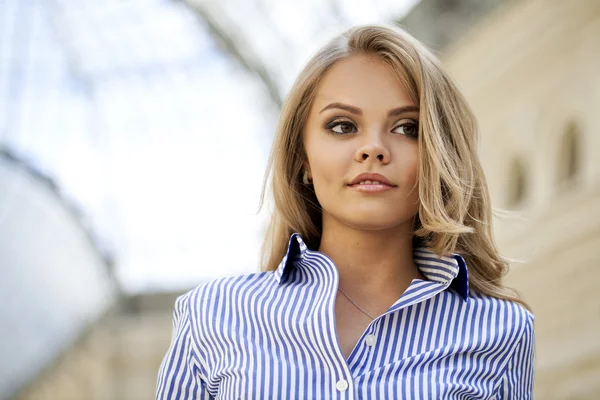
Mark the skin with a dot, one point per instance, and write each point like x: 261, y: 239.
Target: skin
x: 367, y: 235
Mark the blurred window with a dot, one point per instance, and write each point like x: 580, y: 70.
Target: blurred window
x: 517, y: 189
x: 569, y: 162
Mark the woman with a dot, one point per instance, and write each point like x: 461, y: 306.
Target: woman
x: 381, y: 280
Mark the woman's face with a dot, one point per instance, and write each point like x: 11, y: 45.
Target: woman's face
x: 363, y: 121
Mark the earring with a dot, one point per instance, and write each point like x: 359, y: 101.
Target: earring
x: 305, y: 178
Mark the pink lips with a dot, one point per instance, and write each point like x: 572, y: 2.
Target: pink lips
x: 371, y: 183
x: 371, y: 188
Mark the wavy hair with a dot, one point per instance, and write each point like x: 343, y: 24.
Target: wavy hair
x: 455, y: 213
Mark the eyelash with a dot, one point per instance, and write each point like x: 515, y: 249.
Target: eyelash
x: 339, y: 121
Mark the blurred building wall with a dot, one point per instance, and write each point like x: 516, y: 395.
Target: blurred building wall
x: 118, y: 359
x: 531, y: 72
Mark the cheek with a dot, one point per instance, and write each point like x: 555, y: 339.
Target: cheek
x: 329, y: 163
x: 409, y: 167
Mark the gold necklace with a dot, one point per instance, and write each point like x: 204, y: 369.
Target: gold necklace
x: 359, y: 307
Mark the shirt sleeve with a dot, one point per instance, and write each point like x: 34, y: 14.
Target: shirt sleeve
x: 518, y: 377
x: 179, y: 373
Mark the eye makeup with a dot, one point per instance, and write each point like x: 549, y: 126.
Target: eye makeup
x: 345, y: 126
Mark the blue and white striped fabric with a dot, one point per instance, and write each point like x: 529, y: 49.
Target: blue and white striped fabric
x: 272, y: 335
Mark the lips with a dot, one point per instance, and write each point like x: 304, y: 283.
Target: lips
x: 368, y: 182
x: 371, y: 179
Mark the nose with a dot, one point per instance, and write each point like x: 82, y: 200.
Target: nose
x: 373, y: 148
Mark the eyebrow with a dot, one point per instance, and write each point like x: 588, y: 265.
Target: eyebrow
x: 355, y: 110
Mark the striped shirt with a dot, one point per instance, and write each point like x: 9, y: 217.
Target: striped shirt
x: 272, y: 335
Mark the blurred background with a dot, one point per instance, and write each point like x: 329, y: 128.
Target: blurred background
x: 134, y: 136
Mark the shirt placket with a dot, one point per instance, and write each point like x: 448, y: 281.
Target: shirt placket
x: 346, y: 372
x: 368, y: 341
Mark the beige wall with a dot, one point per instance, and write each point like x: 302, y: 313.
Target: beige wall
x: 117, y: 360
x: 530, y: 69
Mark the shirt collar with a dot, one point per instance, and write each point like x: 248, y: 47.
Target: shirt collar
x: 448, y: 270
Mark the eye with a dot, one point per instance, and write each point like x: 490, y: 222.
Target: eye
x: 340, y: 127
x: 409, y: 128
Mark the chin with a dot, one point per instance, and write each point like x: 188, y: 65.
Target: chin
x: 374, y: 221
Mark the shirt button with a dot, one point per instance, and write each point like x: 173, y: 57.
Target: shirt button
x: 341, y: 385
x: 370, y: 340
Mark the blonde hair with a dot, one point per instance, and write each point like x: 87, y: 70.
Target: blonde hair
x: 455, y: 214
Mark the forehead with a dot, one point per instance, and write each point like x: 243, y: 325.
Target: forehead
x: 364, y: 81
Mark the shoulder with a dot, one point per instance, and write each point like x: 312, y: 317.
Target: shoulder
x: 219, y: 292
x: 502, y: 323
x: 503, y: 311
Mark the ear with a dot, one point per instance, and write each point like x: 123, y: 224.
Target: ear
x: 306, y: 178
x: 306, y: 167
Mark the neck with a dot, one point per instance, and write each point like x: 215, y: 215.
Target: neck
x: 377, y: 263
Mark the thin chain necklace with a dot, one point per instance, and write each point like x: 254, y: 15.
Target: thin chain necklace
x: 359, y: 307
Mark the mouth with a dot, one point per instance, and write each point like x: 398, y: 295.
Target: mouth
x: 370, y: 182
x: 371, y: 187
x: 371, y: 179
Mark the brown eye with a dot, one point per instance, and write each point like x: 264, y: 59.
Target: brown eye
x: 341, y: 127
x: 409, y: 129
x: 344, y: 127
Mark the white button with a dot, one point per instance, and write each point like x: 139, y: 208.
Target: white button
x: 341, y: 385
x: 370, y: 340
